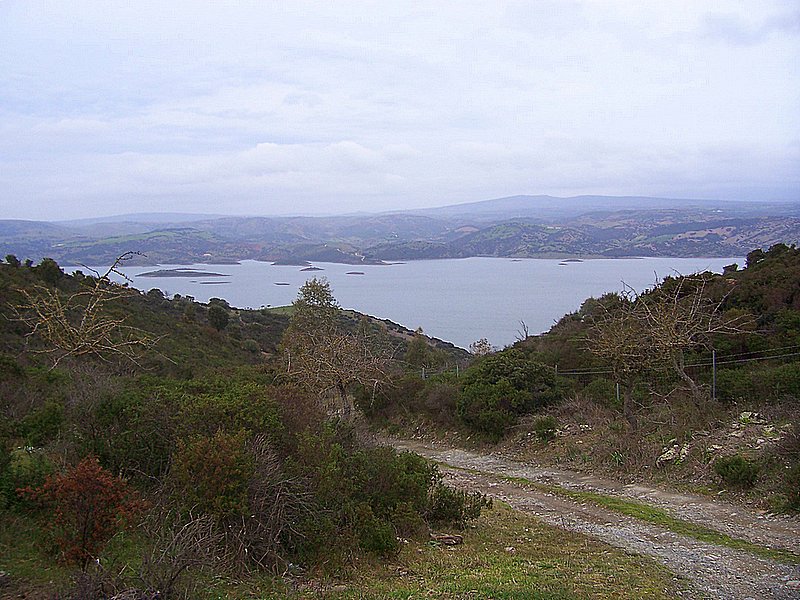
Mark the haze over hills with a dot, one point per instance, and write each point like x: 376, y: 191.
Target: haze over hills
x: 517, y: 226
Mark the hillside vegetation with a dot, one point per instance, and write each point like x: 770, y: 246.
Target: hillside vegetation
x: 205, y: 451
x: 695, y: 382
x: 166, y: 438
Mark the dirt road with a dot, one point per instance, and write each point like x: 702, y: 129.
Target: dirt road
x: 714, y: 571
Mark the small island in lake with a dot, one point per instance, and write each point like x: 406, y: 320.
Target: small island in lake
x: 312, y: 269
x: 354, y: 273
x: 181, y: 273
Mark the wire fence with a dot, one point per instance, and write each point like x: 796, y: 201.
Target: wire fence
x: 703, y: 370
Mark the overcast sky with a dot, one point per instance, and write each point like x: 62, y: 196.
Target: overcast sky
x: 288, y: 106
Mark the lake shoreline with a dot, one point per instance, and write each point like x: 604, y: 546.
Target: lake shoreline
x: 455, y: 300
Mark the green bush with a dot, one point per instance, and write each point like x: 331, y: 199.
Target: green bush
x: 369, y: 496
x: 502, y: 386
x: 375, y: 535
x: 22, y: 468
x: 603, y: 391
x: 545, y: 428
x: 736, y: 471
x: 791, y: 483
x: 764, y: 383
x: 490, y: 408
x: 43, y: 424
x: 455, y: 507
x: 213, y: 473
x: 131, y: 432
x: 251, y: 346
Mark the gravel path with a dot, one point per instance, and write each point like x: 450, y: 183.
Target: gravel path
x: 714, y: 571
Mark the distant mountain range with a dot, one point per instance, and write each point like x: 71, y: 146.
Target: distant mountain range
x: 517, y: 226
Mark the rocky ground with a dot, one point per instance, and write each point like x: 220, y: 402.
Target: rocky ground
x: 710, y: 570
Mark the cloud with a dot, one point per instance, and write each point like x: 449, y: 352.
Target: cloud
x: 290, y: 107
x: 736, y: 30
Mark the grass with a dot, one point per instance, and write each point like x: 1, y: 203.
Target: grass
x: 661, y: 518
x: 26, y: 551
x: 512, y: 555
x: 545, y: 563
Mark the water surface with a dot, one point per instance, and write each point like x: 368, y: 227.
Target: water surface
x: 458, y: 300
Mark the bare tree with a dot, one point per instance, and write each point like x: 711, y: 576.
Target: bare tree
x: 481, y: 347
x: 636, y: 333
x: 80, y: 323
x: 680, y: 315
x: 323, y: 355
x: 522, y: 333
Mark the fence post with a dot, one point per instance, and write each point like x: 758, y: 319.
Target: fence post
x: 456, y: 370
x: 714, y: 375
x: 423, y: 372
x: 618, y: 393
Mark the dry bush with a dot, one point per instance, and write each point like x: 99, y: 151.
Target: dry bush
x: 256, y: 539
x: 181, y: 543
x: 578, y: 408
x: 83, y: 323
x: 94, y: 583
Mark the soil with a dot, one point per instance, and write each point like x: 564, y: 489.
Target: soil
x: 710, y: 570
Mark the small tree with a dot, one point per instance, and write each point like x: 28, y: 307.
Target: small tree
x: 89, y: 505
x: 636, y: 333
x: 218, y: 317
x: 481, y: 347
x: 321, y: 353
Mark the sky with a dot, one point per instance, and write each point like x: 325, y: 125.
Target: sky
x: 295, y: 107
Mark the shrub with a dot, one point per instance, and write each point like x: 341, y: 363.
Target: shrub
x: 736, y: 471
x: 213, y: 473
x: 451, y: 506
x: 490, y: 408
x: 375, y: 535
x: 603, y: 391
x: 792, y: 486
x: 43, y: 424
x: 251, y: 346
x: 89, y: 505
x: 545, y: 428
x: 22, y: 468
x: 132, y: 431
x: 227, y: 402
x: 218, y: 317
x: 764, y: 383
x: 367, y: 496
x: 500, y: 387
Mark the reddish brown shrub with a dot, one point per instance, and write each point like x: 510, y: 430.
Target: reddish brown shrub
x: 87, y: 505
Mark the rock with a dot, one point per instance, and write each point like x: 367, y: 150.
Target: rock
x: 447, y: 539
x: 684, y: 453
x: 668, y: 455
x: 510, y: 549
x: 750, y: 418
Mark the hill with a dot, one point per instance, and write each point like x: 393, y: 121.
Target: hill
x: 518, y: 226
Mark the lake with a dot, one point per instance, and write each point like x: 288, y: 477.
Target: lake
x: 458, y: 300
